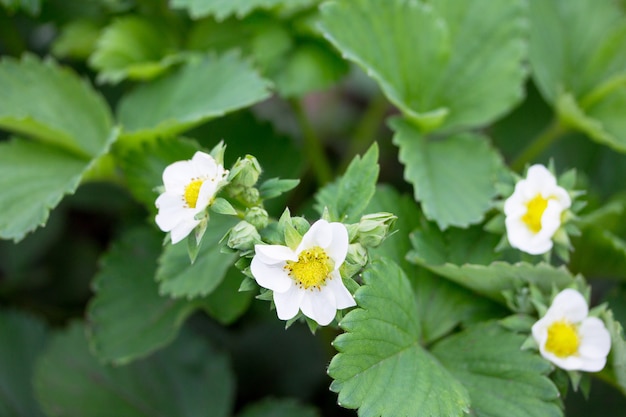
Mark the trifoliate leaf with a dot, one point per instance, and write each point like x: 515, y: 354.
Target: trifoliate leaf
x: 489, y: 280
x: 454, y: 304
x: 51, y: 104
x: 34, y: 177
x: 73, y: 127
x: 278, y: 408
x: 348, y: 196
x: 134, y: 47
x: 381, y: 369
x: 179, y: 278
x: 453, y: 178
x: 502, y: 380
x: 127, y: 316
x: 436, y: 61
x: 204, y: 88
x: 578, y: 63
x: 70, y: 382
x: 222, y: 9
x: 23, y: 339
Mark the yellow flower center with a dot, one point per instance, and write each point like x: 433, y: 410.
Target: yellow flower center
x: 534, y: 212
x: 563, y: 339
x: 311, y: 269
x: 191, y: 193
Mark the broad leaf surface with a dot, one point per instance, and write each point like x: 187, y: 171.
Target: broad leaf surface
x: 204, y: 88
x: 453, y: 303
x: 34, y: 177
x: 489, y: 280
x: 381, y: 369
x: 502, y: 380
x: 454, y: 177
x: 23, y: 339
x: 53, y: 105
x: 225, y: 303
x: 278, y: 408
x: 616, y: 362
x: 127, y: 316
x: 348, y: 196
x: 187, y: 379
x: 222, y: 9
x: 579, y: 64
x: 438, y: 61
x: 133, y: 47
x: 178, y: 277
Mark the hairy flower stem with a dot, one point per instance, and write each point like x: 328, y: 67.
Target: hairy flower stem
x: 547, y: 137
x: 313, y: 146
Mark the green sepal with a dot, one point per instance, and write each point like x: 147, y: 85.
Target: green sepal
x: 222, y: 206
x: 274, y: 187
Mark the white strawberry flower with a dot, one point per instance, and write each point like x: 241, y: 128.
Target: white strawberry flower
x: 570, y: 339
x: 190, y: 187
x: 534, y: 210
x: 306, y: 278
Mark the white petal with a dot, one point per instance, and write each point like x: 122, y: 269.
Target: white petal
x: 270, y: 276
x: 593, y: 364
x: 343, y: 298
x: 551, y: 218
x: 569, y: 363
x: 171, y: 212
x: 320, y: 234
x: 540, y: 178
x: 182, y: 230
x: 177, y: 176
x: 273, y: 254
x: 206, y: 193
x: 522, y: 238
x: 596, y: 340
x: 320, y: 305
x: 562, y: 197
x: 338, y: 246
x: 568, y: 305
x: 288, y: 303
x: 540, y: 331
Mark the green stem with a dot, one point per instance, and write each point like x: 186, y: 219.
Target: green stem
x: 547, y: 137
x: 312, y: 146
x: 365, y: 131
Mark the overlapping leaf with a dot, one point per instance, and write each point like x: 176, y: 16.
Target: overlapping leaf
x: 436, y: 61
x: 133, y: 47
x: 454, y: 178
x: 502, y: 380
x: 180, y: 278
x: 381, y: 369
x: 23, y: 339
x: 204, y: 88
x: 127, y: 316
x: 72, y: 126
x: 579, y: 64
x: 70, y: 382
x: 348, y: 196
x: 490, y: 280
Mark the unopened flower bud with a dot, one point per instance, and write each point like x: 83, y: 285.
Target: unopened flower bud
x: 374, y: 228
x: 356, y: 259
x: 243, y: 236
x: 250, y: 196
x: 257, y: 217
x: 245, y: 172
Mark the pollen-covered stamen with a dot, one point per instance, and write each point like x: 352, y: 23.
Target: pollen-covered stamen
x: 311, y: 269
x: 535, y: 209
x: 191, y: 192
x: 563, y: 339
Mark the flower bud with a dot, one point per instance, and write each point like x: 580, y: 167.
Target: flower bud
x: 243, y: 236
x: 245, y: 172
x: 257, y: 217
x: 374, y: 228
x: 356, y: 259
